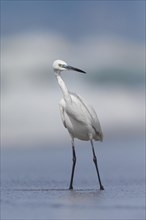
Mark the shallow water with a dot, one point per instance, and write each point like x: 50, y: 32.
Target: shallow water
x: 35, y: 183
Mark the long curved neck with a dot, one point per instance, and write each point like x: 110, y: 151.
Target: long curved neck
x: 63, y: 87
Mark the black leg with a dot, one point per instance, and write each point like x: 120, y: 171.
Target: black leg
x: 73, y: 165
x: 96, y: 166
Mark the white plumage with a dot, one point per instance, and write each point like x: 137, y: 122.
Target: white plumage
x: 78, y: 117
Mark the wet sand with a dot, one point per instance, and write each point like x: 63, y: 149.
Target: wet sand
x: 35, y: 183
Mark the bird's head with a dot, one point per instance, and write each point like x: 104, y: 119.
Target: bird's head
x: 60, y: 65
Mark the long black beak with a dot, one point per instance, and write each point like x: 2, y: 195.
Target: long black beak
x: 74, y: 69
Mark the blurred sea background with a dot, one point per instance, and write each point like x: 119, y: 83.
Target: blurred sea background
x: 107, y: 40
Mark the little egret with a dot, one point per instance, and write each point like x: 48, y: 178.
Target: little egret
x: 78, y: 117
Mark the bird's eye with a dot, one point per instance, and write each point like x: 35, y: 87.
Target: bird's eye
x: 60, y: 65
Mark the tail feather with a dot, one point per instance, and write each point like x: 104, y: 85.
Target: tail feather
x: 98, y: 136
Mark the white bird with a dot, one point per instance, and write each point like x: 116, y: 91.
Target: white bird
x: 78, y: 117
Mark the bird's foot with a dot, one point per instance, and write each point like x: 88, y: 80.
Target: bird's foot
x: 71, y: 188
x: 101, y: 187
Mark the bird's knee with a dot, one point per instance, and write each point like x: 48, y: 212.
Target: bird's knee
x: 74, y: 159
x: 94, y: 160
